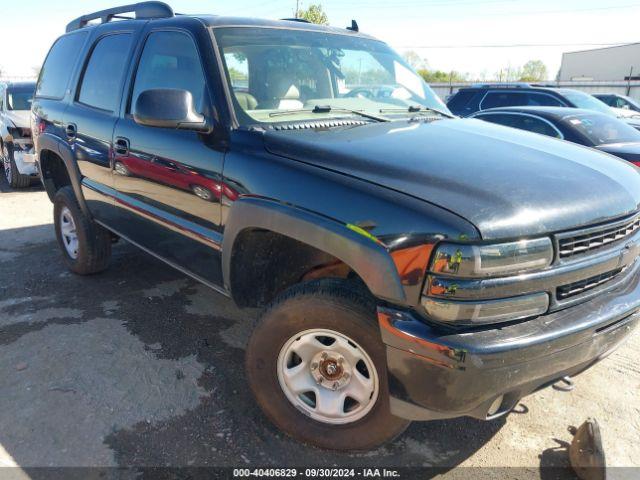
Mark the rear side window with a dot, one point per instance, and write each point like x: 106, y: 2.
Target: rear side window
x: 170, y: 60
x: 102, y: 79
x: 519, y: 99
x: 57, y: 68
x: 522, y: 122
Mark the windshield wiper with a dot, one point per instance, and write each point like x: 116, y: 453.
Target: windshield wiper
x: 417, y: 109
x: 330, y: 109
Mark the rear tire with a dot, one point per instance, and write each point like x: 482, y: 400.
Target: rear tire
x: 15, y: 179
x: 85, y: 245
x: 335, y: 307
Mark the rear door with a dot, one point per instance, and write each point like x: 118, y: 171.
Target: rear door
x: 168, y: 181
x: 91, y: 116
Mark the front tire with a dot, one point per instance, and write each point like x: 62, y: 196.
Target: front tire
x: 85, y: 245
x: 317, y: 367
x: 14, y: 178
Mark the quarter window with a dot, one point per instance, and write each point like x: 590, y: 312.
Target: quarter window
x: 170, y: 60
x: 102, y: 79
x: 57, y: 68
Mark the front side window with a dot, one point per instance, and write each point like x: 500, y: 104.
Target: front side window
x: 102, y: 79
x: 170, y: 60
x: 284, y: 75
x: 19, y: 99
x: 603, y: 129
x: 57, y: 68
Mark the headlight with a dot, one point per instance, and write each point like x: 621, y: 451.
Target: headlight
x: 447, y: 297
x: 472, y: 261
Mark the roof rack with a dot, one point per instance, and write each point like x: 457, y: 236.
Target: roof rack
x: 502, y: 85
x: 301, y: 20
x: 142, y: 11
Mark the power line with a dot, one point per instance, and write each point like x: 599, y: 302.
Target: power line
x: 518, y: 45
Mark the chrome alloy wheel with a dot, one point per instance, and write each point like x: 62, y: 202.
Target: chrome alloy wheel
x: 6, y: 163
x: 68, y: 232
x: 202, y: 192
x: 328, y: 376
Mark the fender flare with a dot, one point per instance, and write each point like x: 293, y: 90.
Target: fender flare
x: 47, y: 141
x: 368, y: 259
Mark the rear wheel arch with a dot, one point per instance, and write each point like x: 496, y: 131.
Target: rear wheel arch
x: 58, y: 168
x: 281, y: 245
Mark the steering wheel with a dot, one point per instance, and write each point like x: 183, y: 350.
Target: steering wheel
x: 359, y: 93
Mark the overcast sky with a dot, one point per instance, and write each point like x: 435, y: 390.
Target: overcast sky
x: 445, y: 32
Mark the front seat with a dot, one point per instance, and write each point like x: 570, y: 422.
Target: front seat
x: 246, y: 100
x: 282, y: 94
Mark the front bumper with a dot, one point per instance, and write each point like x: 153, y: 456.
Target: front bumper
x: 435, y: 374
x: 24, y: 157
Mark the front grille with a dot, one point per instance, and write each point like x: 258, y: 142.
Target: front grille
x: 581, y: 243
x: 571, y: 289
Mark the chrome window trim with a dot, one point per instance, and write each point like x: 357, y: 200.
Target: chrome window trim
x: 531, y: 115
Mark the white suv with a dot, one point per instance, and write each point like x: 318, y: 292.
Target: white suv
x: 18, y: 158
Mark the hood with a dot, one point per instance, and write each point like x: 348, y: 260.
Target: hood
x: 628, y: 151
x: 20, y: 118
x: 507, y: 182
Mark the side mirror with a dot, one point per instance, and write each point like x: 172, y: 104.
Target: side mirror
x: 169, y: 108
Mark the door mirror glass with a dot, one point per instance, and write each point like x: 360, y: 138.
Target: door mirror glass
x: 169, y: 108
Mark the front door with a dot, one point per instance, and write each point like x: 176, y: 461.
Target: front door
x: 168, y: 181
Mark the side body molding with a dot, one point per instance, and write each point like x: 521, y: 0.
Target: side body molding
x: 47, y: 141
x: 369, y: 260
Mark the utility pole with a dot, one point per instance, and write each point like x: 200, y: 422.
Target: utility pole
x: 297, y: 14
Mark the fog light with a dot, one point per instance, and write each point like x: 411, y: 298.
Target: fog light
x: 495, y: 406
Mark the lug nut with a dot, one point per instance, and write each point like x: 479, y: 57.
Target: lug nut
x: 314, y: 366
x: 335, y: 385
x: 324, y: 355
x: 341, y: 360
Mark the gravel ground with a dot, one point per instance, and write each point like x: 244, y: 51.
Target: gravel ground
x: 141, y: 366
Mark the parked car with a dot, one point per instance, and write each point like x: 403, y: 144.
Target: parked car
x: 620, y: 102
x: 16, y: 146
x: 410, y: 265
x: 586, y: 127
x: 468, y: 101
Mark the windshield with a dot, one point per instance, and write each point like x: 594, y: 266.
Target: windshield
x: 603, y: 130
x: 311, y: 75
x: 19, y: 99
x: 588, y: 102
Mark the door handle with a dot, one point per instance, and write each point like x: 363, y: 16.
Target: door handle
x: 122, y: 146
x: 71, y: 130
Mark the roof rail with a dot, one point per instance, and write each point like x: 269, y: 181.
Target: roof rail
x: 142, y: 11
x: 502, y: 85
x: 301, y: 20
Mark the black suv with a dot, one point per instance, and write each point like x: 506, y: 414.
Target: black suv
x: 411, y: 265
x: 491, y: 95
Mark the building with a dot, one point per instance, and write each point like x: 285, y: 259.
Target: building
x: 602, y: 64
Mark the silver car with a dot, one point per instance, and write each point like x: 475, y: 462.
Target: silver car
x: 18, y: 158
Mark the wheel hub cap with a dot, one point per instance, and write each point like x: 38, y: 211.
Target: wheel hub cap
x: 68, y: 233
x: 328, y: 376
